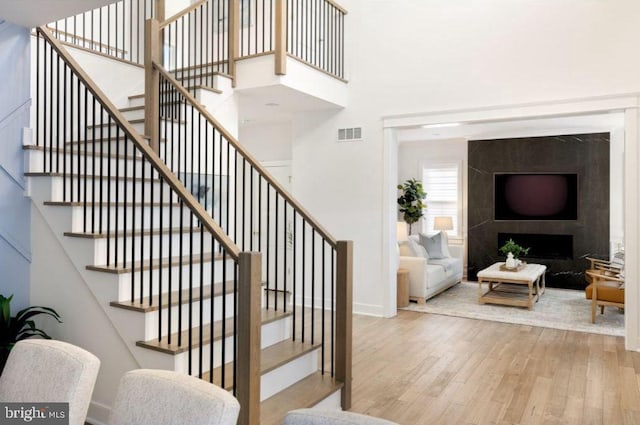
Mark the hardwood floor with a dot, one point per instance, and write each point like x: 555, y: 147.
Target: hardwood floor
x: 428, y: 369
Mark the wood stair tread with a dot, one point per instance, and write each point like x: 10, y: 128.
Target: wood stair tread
x: 120, y: 233
x: 136, y: 121
x: 72, y: 152
x: 305, y: 393
x: 156, y: 263
x: 144, y: 307
x: 271, y: 358
x: 163, y: 346
x: 106, y: 203
x: 90, y: 176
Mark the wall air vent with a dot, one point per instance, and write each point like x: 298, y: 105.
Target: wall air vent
x: 350, y: 134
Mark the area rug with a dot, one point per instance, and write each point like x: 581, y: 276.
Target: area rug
x: 557, y: 308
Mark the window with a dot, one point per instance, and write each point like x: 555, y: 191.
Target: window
x: 441, y: 181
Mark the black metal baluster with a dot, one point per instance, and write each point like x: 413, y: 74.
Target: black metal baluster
x: 109, y: 159
x: 313, y: 284
x: 304, y: 280
x: 286, y: 246
x: 275, y: 251
x: 333, y: 275
x: 323, y: 304
x: 295, y: 251
x: 268, y: 248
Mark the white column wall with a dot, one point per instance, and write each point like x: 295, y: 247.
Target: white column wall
x: 15, y: 231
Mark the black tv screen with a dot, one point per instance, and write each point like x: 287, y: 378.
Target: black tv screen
x: 536, y: 196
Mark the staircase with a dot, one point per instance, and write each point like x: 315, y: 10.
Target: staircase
x: 202, y: 262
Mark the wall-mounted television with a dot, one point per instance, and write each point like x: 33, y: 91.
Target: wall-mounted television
x: 536, y: 196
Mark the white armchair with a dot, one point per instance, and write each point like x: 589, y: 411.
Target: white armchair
x: 427, y: 277
x: 48, y: 371
x: 163, y: 397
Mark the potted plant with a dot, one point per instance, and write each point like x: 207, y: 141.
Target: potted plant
x: 516, y: 250
x: 22, y: 326
x: 410, y: 202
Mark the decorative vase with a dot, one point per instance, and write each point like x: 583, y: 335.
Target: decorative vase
x: 511, y: 262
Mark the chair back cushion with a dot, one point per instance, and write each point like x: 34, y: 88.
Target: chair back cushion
x: 163, y: 397
x: 42, y: 370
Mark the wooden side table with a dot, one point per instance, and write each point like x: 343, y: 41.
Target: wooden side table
x: 403, y: 288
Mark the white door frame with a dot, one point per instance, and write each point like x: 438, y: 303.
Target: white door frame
x: 627, y: 103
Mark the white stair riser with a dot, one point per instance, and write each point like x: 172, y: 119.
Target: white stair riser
x: 59, y: 163
x: 150, y: 218
x: 102, y: 131
x: 288, y: 374
x: 138, y: 114
x: 158, y: 277
x: 272, y: 333
x: 113, y: 190
x: 135, y: 114
x: 281, y: 297
x: 333, y: 402
x: 149, y: 245
x: 113, y: 127
x: 188, y: 320
x: 136, y: 101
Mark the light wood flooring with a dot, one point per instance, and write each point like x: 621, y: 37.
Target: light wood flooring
x: 428, y: 369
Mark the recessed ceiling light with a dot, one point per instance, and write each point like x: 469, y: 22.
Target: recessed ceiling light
x: 440, y: 125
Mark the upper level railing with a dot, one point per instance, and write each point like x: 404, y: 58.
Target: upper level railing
x: 210, y: 35
x: 155, y: 230
x: 116, y: 30
x: 196, y: 43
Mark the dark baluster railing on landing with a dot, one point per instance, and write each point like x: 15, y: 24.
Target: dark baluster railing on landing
x: 299, y: 256
x: 256, y: 27
x: 116, y: 29
x: 174, y: 252
x: 197, y: 43
x: 315, y: 34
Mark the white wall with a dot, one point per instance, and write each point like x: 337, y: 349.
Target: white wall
x: 15, y: 244
x: 423, y: 56
x: 267, y: 142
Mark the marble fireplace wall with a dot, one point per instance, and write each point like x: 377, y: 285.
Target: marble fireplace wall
x: 584, y: 154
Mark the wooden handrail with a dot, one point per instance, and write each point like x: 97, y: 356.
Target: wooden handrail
x: 337, y: 6
x: 254, y: 162
x: 161, y: 168
x: 180, y: 14
x: 86, y: 40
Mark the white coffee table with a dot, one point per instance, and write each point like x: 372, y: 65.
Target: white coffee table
x: 515, y: 288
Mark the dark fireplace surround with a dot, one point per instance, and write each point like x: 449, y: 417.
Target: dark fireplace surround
x: 561, y: 245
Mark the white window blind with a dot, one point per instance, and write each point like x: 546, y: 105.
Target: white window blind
x: 441, y: 181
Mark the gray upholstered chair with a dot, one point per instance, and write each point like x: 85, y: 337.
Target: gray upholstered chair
x: 163, y: 397
x: 42, y: 370
x: 331, y: 417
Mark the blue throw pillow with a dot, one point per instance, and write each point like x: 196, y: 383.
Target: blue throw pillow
x: 433, y: 245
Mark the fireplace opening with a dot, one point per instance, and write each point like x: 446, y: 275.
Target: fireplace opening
x: 543, y: 246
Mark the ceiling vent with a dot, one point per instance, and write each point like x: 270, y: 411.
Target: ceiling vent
x: 353, y: 134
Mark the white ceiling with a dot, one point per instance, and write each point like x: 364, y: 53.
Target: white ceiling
x: 277, y: 103
x: 549, y: 126
x: 32, y: 13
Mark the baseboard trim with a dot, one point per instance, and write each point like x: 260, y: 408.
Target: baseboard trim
x: 98, y: 413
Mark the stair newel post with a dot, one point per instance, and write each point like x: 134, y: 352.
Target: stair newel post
x: 249, y: 337
x: 152, y: 53
x: 234, y: 37
x: 280, y: 35
x: 344, y: 318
